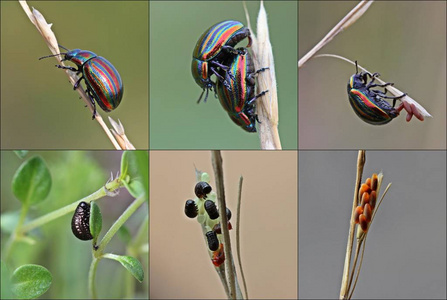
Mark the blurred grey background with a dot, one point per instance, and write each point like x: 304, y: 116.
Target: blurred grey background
x: 405, y: 255
x: 177, y: 121
x: 405, y: 41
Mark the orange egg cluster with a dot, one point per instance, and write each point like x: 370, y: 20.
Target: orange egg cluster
x: 368, y: 197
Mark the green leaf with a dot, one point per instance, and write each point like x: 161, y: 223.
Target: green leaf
x: 131, y: 264
x: 30, y: 281
x: 135, y: 164
x: 21, y: 153
x: 31, y: 183
x: 5, y: 287
x: 95, y: 220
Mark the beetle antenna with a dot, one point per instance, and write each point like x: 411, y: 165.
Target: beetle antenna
x: 63, y: 47
x: 356, y: 68
x: 51, y: 55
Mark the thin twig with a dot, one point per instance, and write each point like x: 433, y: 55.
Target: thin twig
x: 361, y: 159
x: 220, y: 188
x: 347, y: 21
x: 238, y: 228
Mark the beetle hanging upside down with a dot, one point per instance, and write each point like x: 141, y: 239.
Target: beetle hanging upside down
x: 370, y: 105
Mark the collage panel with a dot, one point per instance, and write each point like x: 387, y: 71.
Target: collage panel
x: 106, y: 43
x: 75, y: 225
x: 192, y: 45
x: 402, y: 43
x: 182, y: 264
x: 402, y: 246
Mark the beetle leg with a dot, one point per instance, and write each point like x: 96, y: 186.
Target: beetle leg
x: 250, y: 102
x: 370, y: 85
x: 89, y: 93
x: 382, y: 94
x: 68, y: 68
x: 230, y: 49
x: 76, y: 85
x: 251, y: 77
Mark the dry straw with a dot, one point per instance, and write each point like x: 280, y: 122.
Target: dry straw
x: 117, y: 136
x: 267, y: 105
x: 347, y: 288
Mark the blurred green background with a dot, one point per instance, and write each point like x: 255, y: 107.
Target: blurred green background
x: 39, y: 109
x: 405, y: 41
x: 176, y: 120
x: 75, y: 174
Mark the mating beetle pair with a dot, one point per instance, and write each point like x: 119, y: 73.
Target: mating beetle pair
x: 369, y: 104
x: 234, y: 69
x: 103, y: 81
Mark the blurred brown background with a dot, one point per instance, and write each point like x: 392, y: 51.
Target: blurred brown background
x: 179, y: 264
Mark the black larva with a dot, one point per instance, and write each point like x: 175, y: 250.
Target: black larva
x: 213, y: 241
x: 191, y: 209
x: 211, y: 209
x: 80, y: 223
x: 228, y: 214
x: 202, y: 189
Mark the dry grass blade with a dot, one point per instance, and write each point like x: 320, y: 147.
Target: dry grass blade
x: 49, y: 37
x: 347, y: 21
x: 230, y: 270
x: 238, y: 228
x: 120, y: 135
x: 361, y: 159
x: 267, y: 105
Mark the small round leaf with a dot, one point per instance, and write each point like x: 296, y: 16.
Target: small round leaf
x: 30, y: 281
x: 132, y: 265
x: 95, y: 220
x: 31, y: 183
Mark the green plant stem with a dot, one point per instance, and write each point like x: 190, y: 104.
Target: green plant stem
x: 118, y: 223
x: 17, y: 232
x: 91, y: 277
x: 111, y: 186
